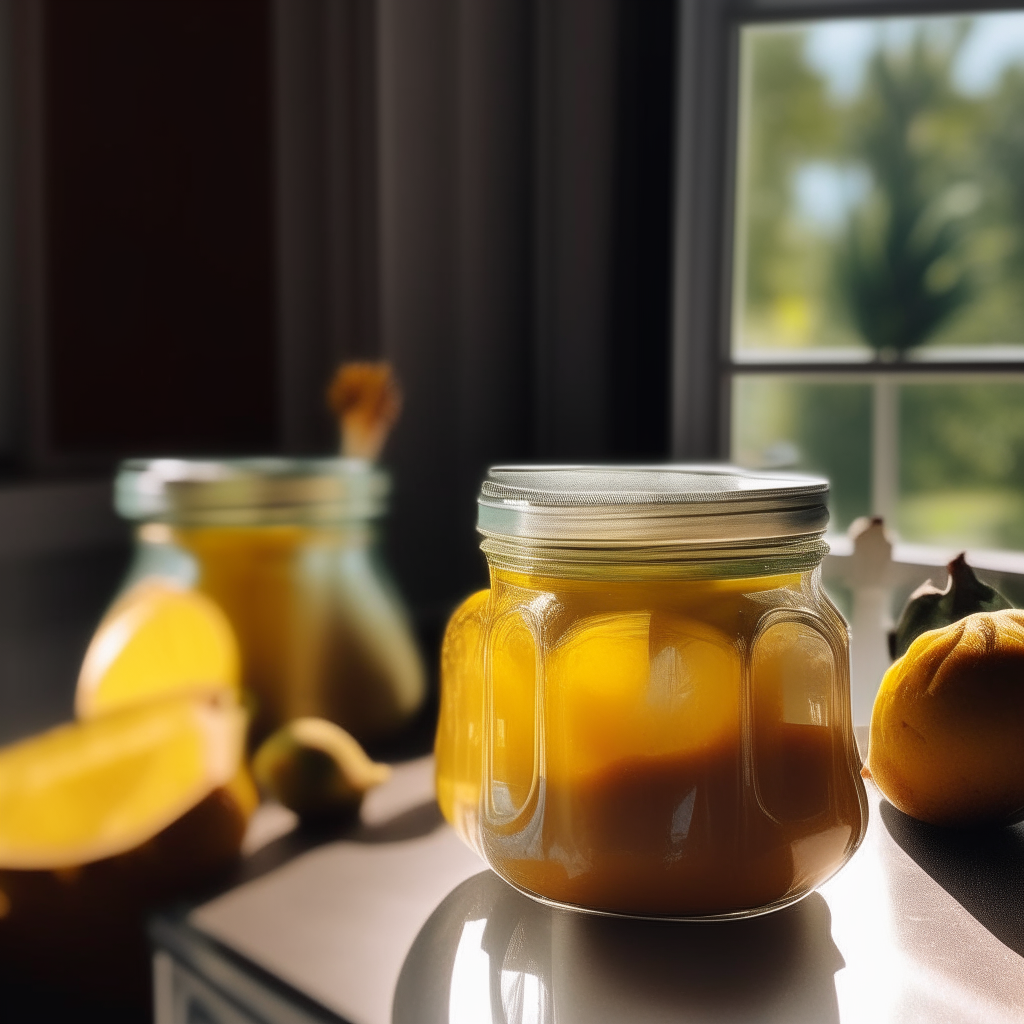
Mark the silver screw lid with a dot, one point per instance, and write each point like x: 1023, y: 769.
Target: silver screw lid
x: 650, y: 506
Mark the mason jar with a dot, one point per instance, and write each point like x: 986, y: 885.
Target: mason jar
x: 290, y: 550
x: 648, y: 711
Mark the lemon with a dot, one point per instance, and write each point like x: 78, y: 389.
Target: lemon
x: 316, y: 769
x: 158, y: 639
x: 104, y: 820
x: 947, y: 728
x: 98, y: 788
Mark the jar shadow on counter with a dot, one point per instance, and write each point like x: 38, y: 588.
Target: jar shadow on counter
x: 490, y: 955
x: 982, y: 869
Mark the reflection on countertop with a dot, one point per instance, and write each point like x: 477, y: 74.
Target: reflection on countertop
x: 489, y: 955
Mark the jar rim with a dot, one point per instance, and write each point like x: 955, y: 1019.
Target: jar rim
x: 624, y: 509
x: 250, y: 491
x: 613, y: 565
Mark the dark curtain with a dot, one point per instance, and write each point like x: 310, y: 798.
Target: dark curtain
x: 499, y: 178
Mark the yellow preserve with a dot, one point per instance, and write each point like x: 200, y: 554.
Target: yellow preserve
x: 637, y: 724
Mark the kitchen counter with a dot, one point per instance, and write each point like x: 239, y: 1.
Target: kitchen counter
x: 398, y: 922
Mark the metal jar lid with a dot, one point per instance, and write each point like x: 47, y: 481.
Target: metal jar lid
x: 251, y: 491
x: 666, y: 514
x: 644, y: 505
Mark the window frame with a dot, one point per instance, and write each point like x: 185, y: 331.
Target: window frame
x: 706, y: 151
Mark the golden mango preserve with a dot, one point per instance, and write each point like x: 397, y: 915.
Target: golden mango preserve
x: 289, y: 549
x: 648, y: 712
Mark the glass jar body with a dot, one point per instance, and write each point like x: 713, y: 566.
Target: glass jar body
x: 321, y: 628
x: 659, y: 747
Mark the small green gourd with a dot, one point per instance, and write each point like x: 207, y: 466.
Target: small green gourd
x: 930, y: 608
x: 316, y: 769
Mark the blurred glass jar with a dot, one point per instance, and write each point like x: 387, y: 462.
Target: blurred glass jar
x: 648, y: 712
x: 290, y: 549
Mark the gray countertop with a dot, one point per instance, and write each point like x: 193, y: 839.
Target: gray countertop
x: 399, y: 922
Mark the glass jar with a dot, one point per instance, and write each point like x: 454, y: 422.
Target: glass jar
x: 648, y: 712
x: 289, y: 548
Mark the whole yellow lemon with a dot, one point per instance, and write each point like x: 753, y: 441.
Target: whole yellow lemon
x: 947, y: 728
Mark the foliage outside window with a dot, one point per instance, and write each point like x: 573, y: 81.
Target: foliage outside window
x: 878, y: 321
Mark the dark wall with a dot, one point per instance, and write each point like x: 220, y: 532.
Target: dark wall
x: 158, y: 285
x: 49, y: 606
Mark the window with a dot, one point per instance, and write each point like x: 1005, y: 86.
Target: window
x: 781, y: 205
x: 875, y: 321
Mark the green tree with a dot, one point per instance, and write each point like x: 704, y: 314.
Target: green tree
x: 900, y: 269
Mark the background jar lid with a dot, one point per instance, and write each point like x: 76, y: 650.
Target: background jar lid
x: 250, y: 491
x: 649, y: 506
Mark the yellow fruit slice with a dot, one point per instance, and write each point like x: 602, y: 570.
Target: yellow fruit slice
x: 638, y: 684
x: 157, y: 640
x: 99, y: 788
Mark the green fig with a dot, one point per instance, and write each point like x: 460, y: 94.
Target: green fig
x: 930, y: 608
